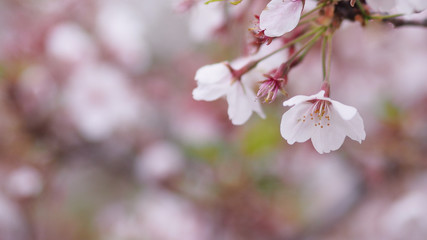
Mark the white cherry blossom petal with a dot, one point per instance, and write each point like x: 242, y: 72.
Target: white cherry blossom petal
x: 210, y: 92
x: 296, y: 100
x: 329, y: 138
x: 213, y: 82
x: 256, y: 106
x: 302, y: 98
x: 293, y: 126
x: 239, y: 108
x: 345, y: 111
x: 355, y: 128
x: 325, y: 141
x: 213, y: 73
x: 280, y: 17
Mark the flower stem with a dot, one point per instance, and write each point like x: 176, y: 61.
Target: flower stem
x: 381, y: 17
x: 328, y: 39
x: 313, y: 10
x: 307, y: 45
x: 306, y: 50
x: 365, y: 15
x: 324, y: 46
x: 298, y: 39
x: 305, y: 21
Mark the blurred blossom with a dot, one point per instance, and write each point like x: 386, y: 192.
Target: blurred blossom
x: 155, y: 215
x: 159, y: 161
x: 208, y: 19
x: 123, y: 32
x: 331, y: 190
x: 205, y: 19
x: 196, y: 128
x: 37, y: 90
x: 161, y: 209
x: 384, y: 68
x: 407, y: 217
x: 71, y: 44
x: 24, y: 182
x: 12, y: 225
x: 100, y: 100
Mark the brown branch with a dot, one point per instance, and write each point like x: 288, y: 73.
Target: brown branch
x: 402, y: 23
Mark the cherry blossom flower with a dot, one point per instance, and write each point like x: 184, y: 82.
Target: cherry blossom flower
x: 220, y: 79
x: 100, y: 101
x: 325, y: 121
x: 280, y: 16
x: 122, y: 31
x: 69, y: 43
x: 158, y: 162
x: 216, y: 80
x: 24, y: 182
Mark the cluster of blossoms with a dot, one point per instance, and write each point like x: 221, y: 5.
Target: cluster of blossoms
x: 317, y: 117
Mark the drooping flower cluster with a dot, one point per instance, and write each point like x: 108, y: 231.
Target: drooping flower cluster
x: 317, y: 117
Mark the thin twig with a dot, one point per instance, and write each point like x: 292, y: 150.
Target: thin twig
x: 401, y: 22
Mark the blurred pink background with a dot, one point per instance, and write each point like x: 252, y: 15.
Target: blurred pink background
x: 100, y: 137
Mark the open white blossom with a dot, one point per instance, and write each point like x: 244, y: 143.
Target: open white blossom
x: 216, y: 80
x: 280, y: 17
x: 325, y: 121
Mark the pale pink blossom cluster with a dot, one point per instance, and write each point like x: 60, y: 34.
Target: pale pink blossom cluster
x: 323, y: 120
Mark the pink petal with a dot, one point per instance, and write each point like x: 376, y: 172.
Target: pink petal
x: 252, y: 99
x: 280, y: 17
x: 302, y: 98
x: 345, y: 111
x: 328, y: 138
x: 292, y: 127
x: 213, y: 73
x: 355, y: 128
x: 239, y: 108
x: 210, y: 92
